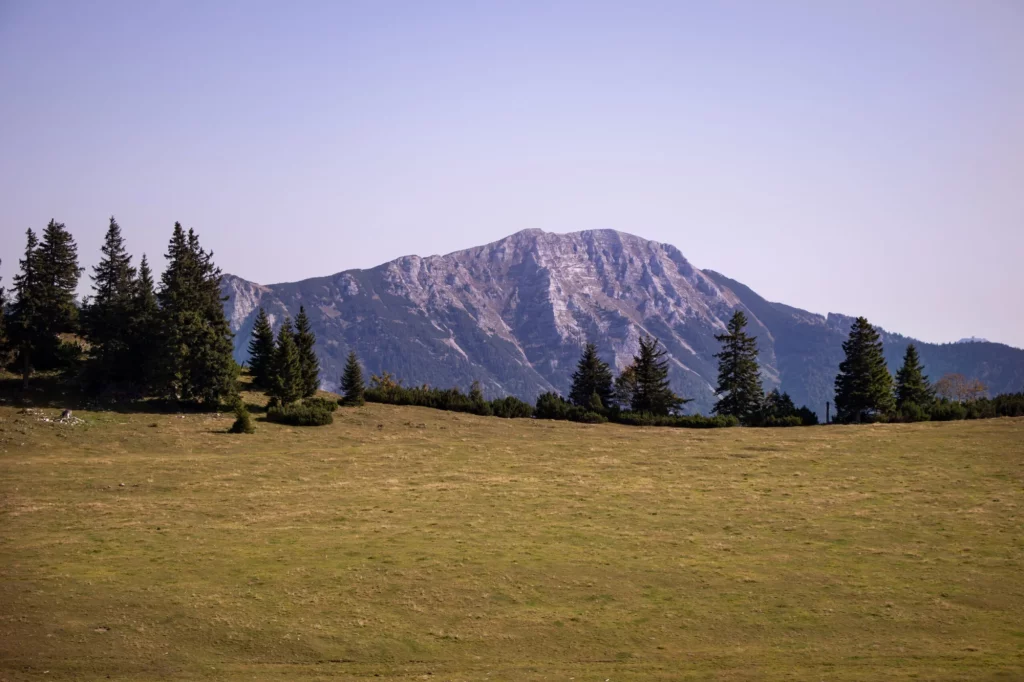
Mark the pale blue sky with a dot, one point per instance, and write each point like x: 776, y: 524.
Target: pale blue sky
x: 860, y: 157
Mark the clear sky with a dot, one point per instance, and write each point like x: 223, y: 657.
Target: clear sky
x: 857, y: 156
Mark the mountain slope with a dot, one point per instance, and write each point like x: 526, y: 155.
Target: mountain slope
x: 513, y: 315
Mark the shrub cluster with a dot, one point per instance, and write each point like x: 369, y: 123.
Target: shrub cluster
x: 688, y: 421
x: 310, y: 412
x: 944, y: 410
x: 386, y: 390
x: 554, y: 406
x: 511, y: 407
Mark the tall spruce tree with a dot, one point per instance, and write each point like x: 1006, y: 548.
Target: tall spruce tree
x: 352, y: 385
x: 108, y: 317
x: 739, y: 380
x: 305, y: 342
x: 653, y: 392
x: 3, y: 326
x: 863, y: 385
x: 46, y: 298
x: 592, y: 376
x: 912, y: 385
x: 25, y: 325
x: 196, y: 360
x: 261, y: 351
x: 625, y: 386
x: 286, y: 384
x: 144, y: 335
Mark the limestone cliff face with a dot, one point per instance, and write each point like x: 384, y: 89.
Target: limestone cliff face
x: 514, y: 314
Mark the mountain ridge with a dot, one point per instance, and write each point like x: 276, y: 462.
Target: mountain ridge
x: 514, y: 313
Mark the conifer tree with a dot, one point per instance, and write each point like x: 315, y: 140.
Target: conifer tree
x: 352, y: 385
x: 739, y: 380
x: 911, y: 383
x: 45, y: 305
x: 3, y: 326
x: 592, y: 376
x: 25, y: 325
x: 196, y: 359
x: 863, y: 385
x: 144, y: 334
x: 286, y: 384
x: 653, y: 392
x: 261, y: 351
x: 625, y: 386
x: 305, y: 341
x: 108, y: 317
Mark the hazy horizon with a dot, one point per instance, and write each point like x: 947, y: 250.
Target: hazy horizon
x: 861, y: 159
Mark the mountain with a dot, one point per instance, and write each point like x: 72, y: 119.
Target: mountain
x: 514, y: 314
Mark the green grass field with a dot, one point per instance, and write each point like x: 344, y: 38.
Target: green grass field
x: 405, y: 543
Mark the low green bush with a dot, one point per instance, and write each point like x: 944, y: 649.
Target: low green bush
x: 688, y: 421
x: 321, y: 403
x: 243, y: 420
x: 511, y: 407
x: 773, y: 421
x: 301, y: 414
x: 554, y: 406
x: 912, y: 412
x: 945, y: 411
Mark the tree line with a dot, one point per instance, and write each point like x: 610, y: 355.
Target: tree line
x: 866, y: 391
x: 132, y: 338
x: 135, y: 338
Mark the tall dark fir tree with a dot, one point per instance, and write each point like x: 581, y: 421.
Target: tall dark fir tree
x: 739, y: 379
x: 652, y: 390
x: 196, y: 360
x: 286, y: 383
x: 25, y: 325
x: 863, y: 385
x: 3, y: 326
x: 145, y: 338
x: 305, y: 343
x: 45, y: 305
x: 261, y: 351
x: 592, y: 377
x: 352, y: 385
x: 107, y: 320
x: 912, y: 386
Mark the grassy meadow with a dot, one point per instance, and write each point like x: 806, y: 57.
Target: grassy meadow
x: 406, y: 543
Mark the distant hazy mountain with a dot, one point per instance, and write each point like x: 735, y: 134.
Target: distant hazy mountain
x: 514, y: 315
x: 973, y: 339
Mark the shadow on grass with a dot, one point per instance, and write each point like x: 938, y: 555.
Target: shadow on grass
x: 52, y: 391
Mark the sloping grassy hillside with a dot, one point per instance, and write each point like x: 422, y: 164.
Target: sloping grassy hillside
x: 409, y: 543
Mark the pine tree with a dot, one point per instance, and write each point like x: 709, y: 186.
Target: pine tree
x: 196, y: 359
x: 286, y: 382
x: 352, y: 384
x: 912, y: 385
x: 45, y: 304
x: 778, y: 405
x: 653, y: 391
x: 592, y: 376
x: 261, y: 351
x: 108, y: 317
x: 739, y: 381
x: 3, y: 327
x: 863, y: 385
x: 625, y: 386
x: 25, y: 325
x: 144, y: 334
x: 305, y: 341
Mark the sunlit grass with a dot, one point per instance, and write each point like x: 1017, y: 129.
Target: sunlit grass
x: 407, y: 542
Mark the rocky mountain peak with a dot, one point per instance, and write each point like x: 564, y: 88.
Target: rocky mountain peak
x: 514, y: 314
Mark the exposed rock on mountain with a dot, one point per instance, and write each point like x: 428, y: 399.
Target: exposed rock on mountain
x: 514, y: 315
